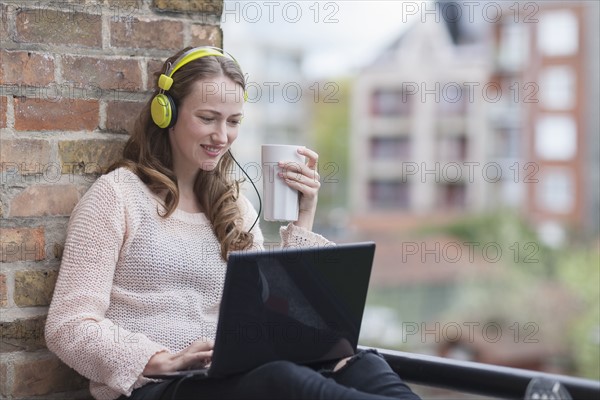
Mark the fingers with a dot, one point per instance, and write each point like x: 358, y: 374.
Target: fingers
x: 311, y: 163
x: 196, y: 355
x: 300, y: 173
x: 201, y: 345
x: 303, y: 177
x: 188, y: 359
x: 312, y: 156
x: 305, y: 174
x: 196, y: 360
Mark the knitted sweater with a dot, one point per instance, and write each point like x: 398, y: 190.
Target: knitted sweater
x: 133, y: 283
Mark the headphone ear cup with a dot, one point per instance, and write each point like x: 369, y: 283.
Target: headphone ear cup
x: 163, y: 110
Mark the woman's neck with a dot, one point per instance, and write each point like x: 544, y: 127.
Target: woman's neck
x: 188, y: 201
x: 186, y: 179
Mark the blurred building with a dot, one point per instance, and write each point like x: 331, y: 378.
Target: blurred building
x: 546, y: 133
x: 419, y: 129
x: 470, y: 114
x: 277, y: 107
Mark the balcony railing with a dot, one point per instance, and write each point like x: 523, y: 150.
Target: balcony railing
x: 478, y: 378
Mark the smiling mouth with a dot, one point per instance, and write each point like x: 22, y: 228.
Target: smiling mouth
x: 212, y: 150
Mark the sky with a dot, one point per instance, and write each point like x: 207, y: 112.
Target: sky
x: 336, y: 36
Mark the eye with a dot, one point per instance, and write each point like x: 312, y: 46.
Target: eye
x: 206, y: 119
x: 234, y: 122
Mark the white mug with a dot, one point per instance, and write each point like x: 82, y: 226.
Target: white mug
x: 280, y: 201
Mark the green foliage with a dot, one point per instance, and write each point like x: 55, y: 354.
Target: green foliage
x: 515, y: 295
x: 518, y: 242
x: 580, y: 271
x: 331, y: 138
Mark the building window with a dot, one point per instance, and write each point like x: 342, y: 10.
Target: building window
x: 453, y: 100
x: 513, y: 46
x: 452, y: 196
x: 452, y: 148
x: 387, y: 194
x: 506, y: 142
x: 390, y: 147
x: 556, y: 191
x: 556, y: 138
x: 391, y: 102
x: 557, y: 88
x: 558, y: 33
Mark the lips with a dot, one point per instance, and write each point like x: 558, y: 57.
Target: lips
x: 212, y: 151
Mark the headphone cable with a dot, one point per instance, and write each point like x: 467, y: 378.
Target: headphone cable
x: 255, y: 189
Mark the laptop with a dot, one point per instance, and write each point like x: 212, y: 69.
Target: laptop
x: 298, y: 304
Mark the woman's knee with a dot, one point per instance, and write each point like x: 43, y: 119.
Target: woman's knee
x: 284, y: 379
x: 369, y: 356
x: 280, y: 370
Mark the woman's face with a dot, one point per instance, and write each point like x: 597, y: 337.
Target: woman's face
x: 208, y: 120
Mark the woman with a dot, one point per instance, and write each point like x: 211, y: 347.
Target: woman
x: 143, y: 267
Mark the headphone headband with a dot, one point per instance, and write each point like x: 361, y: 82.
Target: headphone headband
x: 163, y: 108
x: 166, y: 80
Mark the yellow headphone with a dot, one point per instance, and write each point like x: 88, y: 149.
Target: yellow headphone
x: 162, y: 108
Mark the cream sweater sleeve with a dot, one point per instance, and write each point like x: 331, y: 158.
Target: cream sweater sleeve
x: 291, y: 235
x: 295, y: 236
x: 76, y: 329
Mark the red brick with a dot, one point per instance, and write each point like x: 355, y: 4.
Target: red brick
x: 5, y: 14
x: 42, y: 200
x: 69, y: 28
x: 157, y: 34
x: 206, y: 35
x: 4, y: 389
x: 41, y: 376
x: 22, y: 244
x: 154, y: 67
x: 64, y: 114
x: 24, y: 157
x: 3, y: 102
x: 214, y: 7
x: 26, y: 68
x: 103, y: 73
x: 89, y: 156
x: 123, y: 8
x: 121, y: 115
x: 34, y: 288
x: 3, y: 291
x: 23, y: 334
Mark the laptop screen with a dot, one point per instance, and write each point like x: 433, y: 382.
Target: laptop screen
x: 303, y: 305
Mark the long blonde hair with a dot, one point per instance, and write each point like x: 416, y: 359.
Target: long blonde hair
x: 148, y: 154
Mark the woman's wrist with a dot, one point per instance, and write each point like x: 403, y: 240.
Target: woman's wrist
x: 305, y: 220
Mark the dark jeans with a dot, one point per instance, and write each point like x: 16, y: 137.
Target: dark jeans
x: 366, y: 376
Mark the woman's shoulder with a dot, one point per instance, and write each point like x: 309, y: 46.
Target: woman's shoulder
x: 121, y: 176
x: 119, y: 180
x: 117, y: 193
x: 113, y: 186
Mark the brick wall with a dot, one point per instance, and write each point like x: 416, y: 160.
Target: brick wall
x: 72, y: 74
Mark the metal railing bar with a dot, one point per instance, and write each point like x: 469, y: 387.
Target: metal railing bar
x: 479, y: 378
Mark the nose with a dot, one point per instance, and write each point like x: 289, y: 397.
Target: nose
x: 220, y: 134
